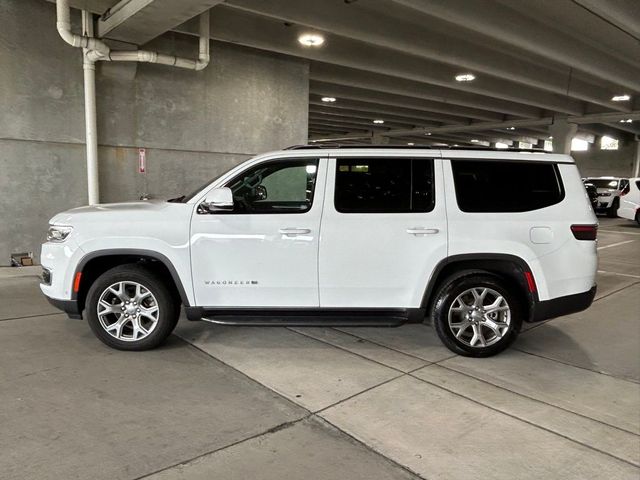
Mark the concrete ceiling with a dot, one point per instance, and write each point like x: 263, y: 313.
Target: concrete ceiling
x: 397, y: 60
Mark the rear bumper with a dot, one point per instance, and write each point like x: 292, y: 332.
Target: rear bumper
x: 70, y: 307
x: 557, y: 307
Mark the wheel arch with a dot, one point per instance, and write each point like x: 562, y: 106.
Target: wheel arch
x: 510, y: 267
x: 94, y: 264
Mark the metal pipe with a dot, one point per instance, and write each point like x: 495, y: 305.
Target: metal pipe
x: 63, y: 24
x: 90, y: 115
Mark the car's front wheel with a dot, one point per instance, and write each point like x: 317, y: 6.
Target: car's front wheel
x: 476, y: 315
x: 130, y: 308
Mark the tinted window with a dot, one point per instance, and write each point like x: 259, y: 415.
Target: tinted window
x: 502, y: 186
x: 384, y: 185
x: 275, y: 187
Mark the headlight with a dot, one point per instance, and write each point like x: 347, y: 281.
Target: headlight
x: 58, y: 233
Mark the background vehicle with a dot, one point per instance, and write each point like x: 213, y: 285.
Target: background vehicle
x: 609, y: 190
x: 630, y: 201
x: 407, y: 234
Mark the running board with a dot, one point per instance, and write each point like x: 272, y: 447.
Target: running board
x: 309, y: 317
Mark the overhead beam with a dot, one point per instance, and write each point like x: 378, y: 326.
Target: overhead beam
x: 443, y: 99
x: 139, y: 21
x: 337, y: 113
x: 625, y: 14
x: 506, y: 24
x: 233, y: 25
x: 359, y: 22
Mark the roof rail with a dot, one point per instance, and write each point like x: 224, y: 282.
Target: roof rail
x: 328, y: 145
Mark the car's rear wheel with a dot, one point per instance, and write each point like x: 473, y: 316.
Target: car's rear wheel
x: 130, y: 308
x: 476, y: 315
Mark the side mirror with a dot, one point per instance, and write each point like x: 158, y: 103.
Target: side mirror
x: 218, y: 199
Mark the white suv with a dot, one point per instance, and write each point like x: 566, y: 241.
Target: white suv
x: 477, y: 241
x: 630, y: 201
x: 609, y: 191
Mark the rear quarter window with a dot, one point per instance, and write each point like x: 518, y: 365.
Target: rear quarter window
x: 506, y: 186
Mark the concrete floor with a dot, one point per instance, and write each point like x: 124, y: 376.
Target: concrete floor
x: 271, y: 403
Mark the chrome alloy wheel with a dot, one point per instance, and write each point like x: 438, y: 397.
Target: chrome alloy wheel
x: 479, y: 317
x: 128, y: 311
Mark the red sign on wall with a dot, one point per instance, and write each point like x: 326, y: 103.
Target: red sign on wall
x: 142, y: 160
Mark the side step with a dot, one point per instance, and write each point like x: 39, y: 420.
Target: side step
x: 309, y: 317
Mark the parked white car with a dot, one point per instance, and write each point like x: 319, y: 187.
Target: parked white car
x: 342, y: 236
x: 609, y: 191
x: 630, y: 201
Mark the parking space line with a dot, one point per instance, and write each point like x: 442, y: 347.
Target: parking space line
x: 616, y: 244
x: 619, y: 274
x: 616, y: 231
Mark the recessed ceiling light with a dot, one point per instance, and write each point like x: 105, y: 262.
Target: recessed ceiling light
x: 474, y: 140
x: 621, y: 98
x: 379, y: 122
x: 511, y: 128
x: 311, y: 39
x: 465, y: 77
x: 411, y: 144
x: 328, y: 99
x: 628, y: 120
x: 428, y: 133
x: 456, y: 145
x: 550, y: 138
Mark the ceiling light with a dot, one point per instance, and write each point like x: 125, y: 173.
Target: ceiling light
x: 428, y: 133
x: 550, y: 138
x: 465, y: 77
x: 379, y: 122
x: 328, y: 99
x: 474, y: 140
x: 456, y: 145
x: 511, y: 128
x: 628, y: 120
x: 311, y: 39
x: 621, y: 98
x: 411, y: 144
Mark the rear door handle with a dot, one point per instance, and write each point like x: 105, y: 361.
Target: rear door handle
x: 422, y: 231
x: 294, y: 232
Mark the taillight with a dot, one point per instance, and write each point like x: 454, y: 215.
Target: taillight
x: 585, y: 232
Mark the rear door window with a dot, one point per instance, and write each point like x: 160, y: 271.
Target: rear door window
x: 506, y: 186
x: 384, y: 185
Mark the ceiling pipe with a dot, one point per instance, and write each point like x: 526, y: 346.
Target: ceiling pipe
x: 95, y: 50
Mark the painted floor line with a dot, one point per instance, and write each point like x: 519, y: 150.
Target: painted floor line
x: 618, y: 231
x: 616, y: 244
x: 619, y: 274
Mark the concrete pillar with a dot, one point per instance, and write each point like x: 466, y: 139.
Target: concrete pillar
x: 636, y: 162
x: 562, y: 133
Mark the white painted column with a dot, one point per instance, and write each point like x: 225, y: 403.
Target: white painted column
x: 90, y: 116
x: 636, y: 162
x: 562, y: 133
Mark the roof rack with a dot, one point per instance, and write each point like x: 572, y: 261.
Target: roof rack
x: 327, y: 145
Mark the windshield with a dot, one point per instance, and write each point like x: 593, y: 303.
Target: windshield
x: 603, y: 182
x: 186, y: 198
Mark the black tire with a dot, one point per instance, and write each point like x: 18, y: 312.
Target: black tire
x: 638, y: 217
x: 167, y: 314
x: 612, y: 212
x: 447, y: 295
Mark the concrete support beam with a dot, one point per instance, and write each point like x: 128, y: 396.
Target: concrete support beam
x: 139, y: 21
x: 636, y: 162
x: 563, y: 133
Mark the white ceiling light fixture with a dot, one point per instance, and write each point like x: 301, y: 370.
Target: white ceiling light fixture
x: 628, y: 120
x: 328, y: 99
x: 621, y: 98
x: 511, y: 128
x: 311, y: 39
x: 378, y: 122
x: 411, y: 144
x: 474, y: 140
x: 465, y: 77
x: 428, y: 133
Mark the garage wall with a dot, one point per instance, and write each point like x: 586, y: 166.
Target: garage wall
x: 618, y: 163
x: 194, y: 125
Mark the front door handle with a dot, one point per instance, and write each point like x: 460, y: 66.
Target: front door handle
x: 294, y: 232
x: 422, y: 231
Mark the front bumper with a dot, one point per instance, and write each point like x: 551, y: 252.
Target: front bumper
x: 70, y: 307
x: 557, y: 307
